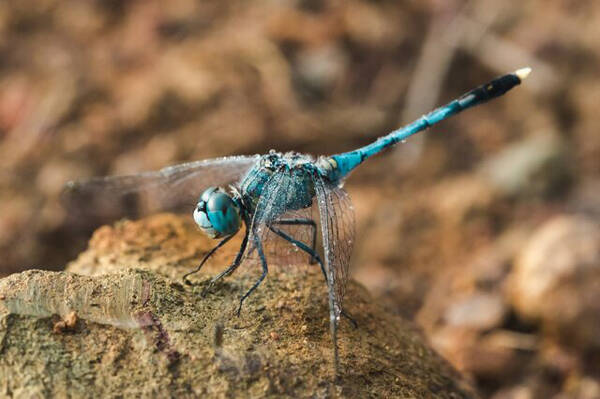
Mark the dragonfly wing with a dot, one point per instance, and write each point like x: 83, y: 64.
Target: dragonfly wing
x: 174, y: 188
x: 284, y: 199
x: 337, y: 227
x: 268, y: 206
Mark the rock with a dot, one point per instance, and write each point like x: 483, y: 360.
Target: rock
x: 583, y: 388
x: 499, y: 354
x: 535, y: 167
x: 556, y: 279
x: 135, y: 330
x: 479, y: 311
x: 467, y: 316
x: 68, y: 323
x: 518, y: 392
x: 318, y: 68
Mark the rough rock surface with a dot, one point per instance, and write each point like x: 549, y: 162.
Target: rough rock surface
x: 119, y: 322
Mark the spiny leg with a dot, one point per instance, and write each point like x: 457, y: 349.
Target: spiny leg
x: 302, y: 246
x: 305, y: 222
x: 208, y: 255
x: 313, y: 255
x: 349, y: 318
x: 263, y: 261
x: 237, y: 261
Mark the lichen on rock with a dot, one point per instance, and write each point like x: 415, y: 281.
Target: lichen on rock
x: 133, y: 329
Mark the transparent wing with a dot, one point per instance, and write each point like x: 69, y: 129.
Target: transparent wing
x: 337, y: 227
x: 281, y: 249
x: 174, y: 188
x: 269, y: 203
x: 271, y: 211
x: 266, y: 210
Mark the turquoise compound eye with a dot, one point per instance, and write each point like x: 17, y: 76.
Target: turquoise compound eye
x: 217, y: 214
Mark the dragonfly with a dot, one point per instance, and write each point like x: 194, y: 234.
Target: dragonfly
x: 278, y: 196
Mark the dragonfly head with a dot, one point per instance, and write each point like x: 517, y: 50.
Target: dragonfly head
x: 217, y: 214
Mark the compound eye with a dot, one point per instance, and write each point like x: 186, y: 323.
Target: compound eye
x: 207, y: 194
x: 217, y: 214
x: 223, y: 213
x: 219, y: 202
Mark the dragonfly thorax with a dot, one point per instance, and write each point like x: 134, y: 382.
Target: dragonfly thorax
x: 293, y: 171
x: 217, y: 213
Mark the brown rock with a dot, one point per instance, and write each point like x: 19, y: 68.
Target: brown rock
x: 556, y: 279
x: 68, y: 323
x: 500, y: 354
x: 538, y: 166
x: 478, y: 311
x: 140, y: 332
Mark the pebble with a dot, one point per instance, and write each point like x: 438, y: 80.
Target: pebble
x: 480, y: 311
x: 67, y: 323
x: 534, y: 167
x: 556, y: 279
x: 319, y: 67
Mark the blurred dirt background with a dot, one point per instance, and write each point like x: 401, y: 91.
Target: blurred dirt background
x: 484, y: 230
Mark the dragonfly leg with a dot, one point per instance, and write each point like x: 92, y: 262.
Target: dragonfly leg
x: 349, y: 318
x: 263, y: 261
x: 237, y: 261
x: 208, y: 255
x: 302, y: 246
x: 314, y: 255
x: 305, y: 222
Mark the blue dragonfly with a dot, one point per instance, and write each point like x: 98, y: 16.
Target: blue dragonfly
x: 282, y: 198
